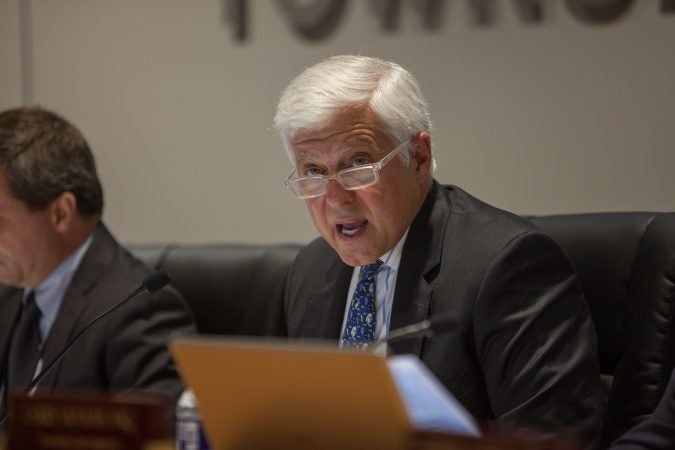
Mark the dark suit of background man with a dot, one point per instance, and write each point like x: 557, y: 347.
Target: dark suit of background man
x: 53, y: 244
x: 524, y: 350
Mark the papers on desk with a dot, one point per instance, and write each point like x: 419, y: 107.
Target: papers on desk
x: 429, y: 405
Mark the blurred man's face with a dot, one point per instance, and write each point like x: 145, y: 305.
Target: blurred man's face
x: 362, y: 225
x: 26, y: 240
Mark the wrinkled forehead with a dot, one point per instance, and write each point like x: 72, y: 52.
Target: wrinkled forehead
x: 355, y: 127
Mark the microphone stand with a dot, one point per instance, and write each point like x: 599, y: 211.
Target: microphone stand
x: 425, y: 328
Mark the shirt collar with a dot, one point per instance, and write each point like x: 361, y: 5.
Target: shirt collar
x: 49, y: 294
x: 392, y: 259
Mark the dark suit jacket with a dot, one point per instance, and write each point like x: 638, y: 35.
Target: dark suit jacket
x: 657, y: 432
x: 125, y: 350
x: 524, y: 351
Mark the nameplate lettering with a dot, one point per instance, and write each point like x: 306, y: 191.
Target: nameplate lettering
x: 79, y: 421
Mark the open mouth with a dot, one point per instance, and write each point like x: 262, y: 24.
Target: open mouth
x: 352, y: 228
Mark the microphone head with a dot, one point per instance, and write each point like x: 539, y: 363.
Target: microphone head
x: 156, y: 280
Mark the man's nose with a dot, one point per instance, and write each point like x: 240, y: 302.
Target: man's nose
x: 336, y: 194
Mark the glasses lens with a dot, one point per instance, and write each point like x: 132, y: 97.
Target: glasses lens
x: 307, y: 187
x: 358, y: 177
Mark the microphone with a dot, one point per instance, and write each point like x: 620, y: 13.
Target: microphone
x: 152, y: 283
x: 429, y: 327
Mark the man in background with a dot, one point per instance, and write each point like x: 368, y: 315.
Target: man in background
x: 65, y: 268
x: 399, y: 248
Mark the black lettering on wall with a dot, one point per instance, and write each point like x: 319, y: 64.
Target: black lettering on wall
x: 389, y: 13
x: 313, y: 20
x: 598, y: 12
x: 316, y: 20
x: 483, y: 11
x: 235, y: 13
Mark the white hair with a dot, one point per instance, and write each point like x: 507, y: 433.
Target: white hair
x: 321, y: 91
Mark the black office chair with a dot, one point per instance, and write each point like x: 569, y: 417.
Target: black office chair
x: 626, y: 265
x: 234, y: 289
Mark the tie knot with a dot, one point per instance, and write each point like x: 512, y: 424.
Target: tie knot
x: 30, y: 307
x: 369, y: 270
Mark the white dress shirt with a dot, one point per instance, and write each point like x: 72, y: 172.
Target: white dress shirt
x: 384, y: 289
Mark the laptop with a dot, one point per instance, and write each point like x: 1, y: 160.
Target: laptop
x: 270, y: 394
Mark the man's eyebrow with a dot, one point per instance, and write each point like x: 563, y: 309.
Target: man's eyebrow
x: 302, y: 155
x: 361, y: 141
x: 355, y: 142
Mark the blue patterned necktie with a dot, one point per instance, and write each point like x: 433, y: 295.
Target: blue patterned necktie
x: 361, y: 319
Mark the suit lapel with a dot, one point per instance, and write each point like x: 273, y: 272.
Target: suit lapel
x: 325, y: 309
x: 62, y: 330
x: 420, y: 261
x: 91, y: 269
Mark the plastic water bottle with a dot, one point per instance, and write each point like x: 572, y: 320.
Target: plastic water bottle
x: 189, y: 431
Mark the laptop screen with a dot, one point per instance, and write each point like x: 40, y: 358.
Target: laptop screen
x: 262, y: 393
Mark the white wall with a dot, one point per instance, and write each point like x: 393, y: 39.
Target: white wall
x: 556, y: 117
x: 10, y: 48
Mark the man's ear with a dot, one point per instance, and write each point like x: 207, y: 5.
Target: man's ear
x: 63, y: 211
x: 421, y: 156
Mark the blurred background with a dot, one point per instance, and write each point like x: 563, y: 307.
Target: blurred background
x: 539, y: 107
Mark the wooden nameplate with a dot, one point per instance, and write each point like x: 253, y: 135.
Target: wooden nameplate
x: 91, y: 421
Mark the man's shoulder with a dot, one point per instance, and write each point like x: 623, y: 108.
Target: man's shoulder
x: 109, y: 272
x: 469, y: 219
x: 116, y: 263
x: 472, y: 208
x: 457, y: 223
x: 485, y: 235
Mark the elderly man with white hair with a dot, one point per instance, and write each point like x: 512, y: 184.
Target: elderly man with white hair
x: 398, y: 245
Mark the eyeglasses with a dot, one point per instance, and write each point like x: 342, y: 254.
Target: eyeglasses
x: 350, y: 179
